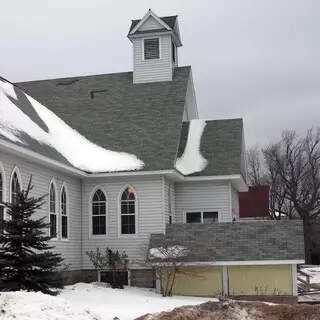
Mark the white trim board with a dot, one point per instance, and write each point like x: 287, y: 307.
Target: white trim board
x: 150, y: 13
x: 11, y: 147
x: 294, y: 280
x: 240, y: 263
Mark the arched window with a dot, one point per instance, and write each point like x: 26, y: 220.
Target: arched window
x: 53, y: 210
x: 64, y: 213
x: 2, y: 195
x: 128, y: 212
x: 99, y: 213
x: 15, y: 186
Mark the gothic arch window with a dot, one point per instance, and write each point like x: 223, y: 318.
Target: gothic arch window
x: 99, y: 212
x: 128, y: 211
x: 53, y: 209
x: 15, y: 184
x: 64, y: 212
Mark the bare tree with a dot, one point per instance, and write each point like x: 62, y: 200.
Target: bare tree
x: 262, y: 171
x: 167, y: 261
x: 295, y: 166
x: 256, y: 166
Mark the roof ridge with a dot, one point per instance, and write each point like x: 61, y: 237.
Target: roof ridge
x: 75, y: 77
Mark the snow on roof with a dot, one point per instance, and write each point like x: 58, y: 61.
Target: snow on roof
x: 192, y: 160
x: 169, y: 252
x: 79, y: 151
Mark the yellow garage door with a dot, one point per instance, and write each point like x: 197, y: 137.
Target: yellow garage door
x: 198, y: 282
x: 260, y: 280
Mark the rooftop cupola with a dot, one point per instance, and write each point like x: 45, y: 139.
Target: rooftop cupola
x: 155, y: 43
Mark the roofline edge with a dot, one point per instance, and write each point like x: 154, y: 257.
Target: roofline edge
x: 240, y: 263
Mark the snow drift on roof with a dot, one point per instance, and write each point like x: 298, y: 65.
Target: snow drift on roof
x: 192, y: 160
x: 80, y: 152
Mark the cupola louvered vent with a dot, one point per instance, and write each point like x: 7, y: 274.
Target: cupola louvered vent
x: 151, y: 49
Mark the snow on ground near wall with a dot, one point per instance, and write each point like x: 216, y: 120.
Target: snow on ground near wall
x: 79, y: 151
x: 126, y: 304
x: 192, y: 160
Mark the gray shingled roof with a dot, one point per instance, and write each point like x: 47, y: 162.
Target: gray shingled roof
x: 235, y: 241
x: 111, y: 111
x: 24, y: 104
x: 221, y: 145
x: 170, y: 21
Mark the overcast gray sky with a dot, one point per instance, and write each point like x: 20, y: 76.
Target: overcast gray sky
x: 256, y: 59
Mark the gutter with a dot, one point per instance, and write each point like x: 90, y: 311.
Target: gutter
x: 176, y: 175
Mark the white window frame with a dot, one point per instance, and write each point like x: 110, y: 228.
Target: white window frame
x: 17, y: 171
x: 91, y: 235
x: 64, y: 185
x: 202, y: 211
x: 3, y: 176
x: 160, y: 48
x: 56, y: 204
x: 133, y: 235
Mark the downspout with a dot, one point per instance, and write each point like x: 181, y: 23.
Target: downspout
x: 163, y: 206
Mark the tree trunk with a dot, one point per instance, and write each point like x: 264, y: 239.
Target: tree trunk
x: 307, y: 227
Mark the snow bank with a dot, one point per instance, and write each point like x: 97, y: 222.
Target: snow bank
x: 192, y: 160
x: 38, y: 306
x: 126, y: 304
x: 80, y: 152
x: 170, y: 252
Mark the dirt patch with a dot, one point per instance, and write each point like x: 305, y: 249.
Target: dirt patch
x: 232, y: 310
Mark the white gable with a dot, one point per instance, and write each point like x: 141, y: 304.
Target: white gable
x: 150, y: 24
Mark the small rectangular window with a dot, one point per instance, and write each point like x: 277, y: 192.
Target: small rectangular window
x: 193, y: 217
x: 202, y: 217
x: 210, y: 217
x: 151, y: 49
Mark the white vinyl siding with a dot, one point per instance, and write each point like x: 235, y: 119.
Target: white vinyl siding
x: 41, y: 177
x: 153, y: 70
x: 149, y: 193
x: 150, y: 24
x: 235, y: 202
x: 203, y: 196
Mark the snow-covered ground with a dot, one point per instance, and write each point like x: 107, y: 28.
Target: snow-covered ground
x: 314, y: 273
x: 88, y: 302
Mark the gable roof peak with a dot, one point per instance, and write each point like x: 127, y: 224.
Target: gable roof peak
x: 167, y: 22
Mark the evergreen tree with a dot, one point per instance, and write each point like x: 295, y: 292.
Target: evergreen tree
x: 25, y: 260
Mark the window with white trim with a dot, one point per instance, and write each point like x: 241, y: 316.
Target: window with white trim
x: 15, y: 187
x: 99, y: 213
x: 1, y: 199
x: 173, y: 51
x: 128, y: 212
x: 53, y: 211
x: 201, y: 216
x: 151, y: 48
x: 64, y: 214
